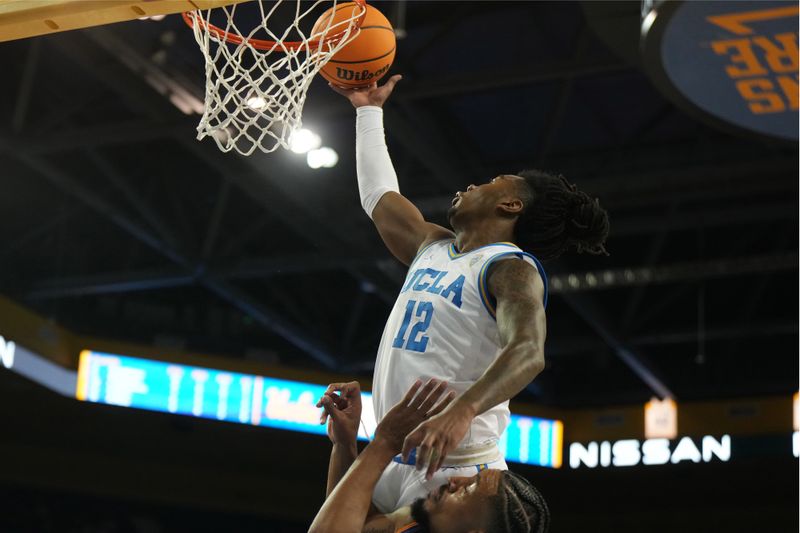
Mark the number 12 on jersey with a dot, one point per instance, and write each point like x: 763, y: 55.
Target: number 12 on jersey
x: 415, y: 341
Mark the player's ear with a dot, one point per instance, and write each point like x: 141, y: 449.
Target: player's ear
x: 510, y: 206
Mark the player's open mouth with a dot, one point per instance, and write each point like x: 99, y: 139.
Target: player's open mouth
x: 456, y: 199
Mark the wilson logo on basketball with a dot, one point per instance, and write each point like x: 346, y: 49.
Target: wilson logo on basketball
x: 345, y: 74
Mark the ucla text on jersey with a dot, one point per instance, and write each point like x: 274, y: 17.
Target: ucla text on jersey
x: 435, y: 281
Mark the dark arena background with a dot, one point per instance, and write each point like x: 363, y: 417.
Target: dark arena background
x: 145, y: 276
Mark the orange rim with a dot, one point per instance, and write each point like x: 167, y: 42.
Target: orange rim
x: 262, y: 44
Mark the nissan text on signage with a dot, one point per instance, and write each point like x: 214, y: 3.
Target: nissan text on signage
x: 631, y: 452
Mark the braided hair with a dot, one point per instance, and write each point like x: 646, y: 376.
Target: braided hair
x: 518, y: 507
x: 557, y: 217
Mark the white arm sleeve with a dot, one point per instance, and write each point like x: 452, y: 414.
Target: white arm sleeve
x: 376, y: 175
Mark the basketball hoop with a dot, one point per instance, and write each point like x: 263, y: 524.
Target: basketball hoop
x: 256, y: 80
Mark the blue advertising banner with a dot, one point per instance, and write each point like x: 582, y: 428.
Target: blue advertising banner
x: 263, y: 401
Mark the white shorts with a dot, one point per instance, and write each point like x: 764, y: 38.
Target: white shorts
x: 401, y: 484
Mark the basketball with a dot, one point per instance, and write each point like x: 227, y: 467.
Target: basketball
x: 367, y: 57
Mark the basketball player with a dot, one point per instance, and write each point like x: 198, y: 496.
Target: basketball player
x: 491, y: 501
x: 471, y: 310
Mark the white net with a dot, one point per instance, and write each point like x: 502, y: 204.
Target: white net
x: 256, y: 80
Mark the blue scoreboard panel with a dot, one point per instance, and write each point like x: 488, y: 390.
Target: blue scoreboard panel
x: 263, y: 401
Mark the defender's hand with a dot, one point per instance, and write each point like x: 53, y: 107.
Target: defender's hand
x: 437, y: 437
x: 370, y: 95
x: 342, y: 411
x: 412, y: 409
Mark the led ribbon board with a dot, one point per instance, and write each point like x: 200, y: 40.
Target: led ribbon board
x: 262, y: 401
x: 533, y: 441
x: 36, y: 368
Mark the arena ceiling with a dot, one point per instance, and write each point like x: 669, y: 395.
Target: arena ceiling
x: 116, y: 222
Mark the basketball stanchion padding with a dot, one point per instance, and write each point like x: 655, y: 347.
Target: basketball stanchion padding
x: 365, y: 58
x: 260, y: 59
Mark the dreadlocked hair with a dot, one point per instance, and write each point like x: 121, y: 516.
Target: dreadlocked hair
x: 557, y: 218
x: 519, y: 507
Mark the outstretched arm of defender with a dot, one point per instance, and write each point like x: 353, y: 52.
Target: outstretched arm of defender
x: 400, y: 224
x: 341, y: 405
x: 347, y: 507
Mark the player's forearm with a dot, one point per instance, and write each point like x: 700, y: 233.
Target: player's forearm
x: 345, y: 510
x: 374, y: 169
x: 522, y: 326
x: 342, y: 457
x: 516, y: 366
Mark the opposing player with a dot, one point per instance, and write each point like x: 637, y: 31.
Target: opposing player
x: 490, y: 501
x: 471, y: 310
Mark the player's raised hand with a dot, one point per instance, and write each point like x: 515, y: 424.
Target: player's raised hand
x: 341, y: 405
x: 436, y: 437
x: 419, y: 404
x: 370, y: 95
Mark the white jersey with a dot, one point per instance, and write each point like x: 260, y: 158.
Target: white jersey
x: 443, y: 326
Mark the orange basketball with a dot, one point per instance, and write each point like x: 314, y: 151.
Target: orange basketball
x: 364, y: 59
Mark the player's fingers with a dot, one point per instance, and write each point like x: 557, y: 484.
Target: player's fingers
x: 341, y: 90
x: 335, y: 386
x: 337, y: 400
x: 423, y: 456
x: 323, y: 402
x: 411, y: 441
x: 432, y: 458
x: 411, y: 392
x: 436, y: 457
x: 392, y: 82
x: 439, y: 464
x: 351, y: 389
x: 435, y: 467
x: 429, y: 387
x: 324, y: 395
x: 434, y: 395
x: 424, y: 452
x: 331, y: 388
x: 336, y: 89
x: 333, y: 412
x: 444, y: 451
x: 447, y: 400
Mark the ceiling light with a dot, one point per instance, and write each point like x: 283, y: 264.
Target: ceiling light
x: 256, y: 103
x: 304, y: 140
x: 648, y: 22
x: 322, y: 157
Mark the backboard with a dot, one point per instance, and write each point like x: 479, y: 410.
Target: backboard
x: 28, y: 18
